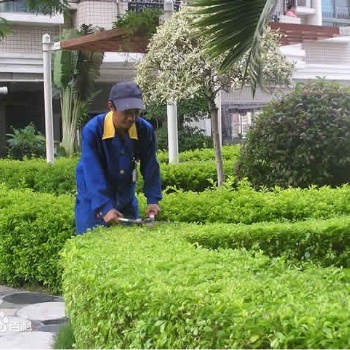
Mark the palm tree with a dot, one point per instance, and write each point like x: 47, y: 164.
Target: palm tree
x: 235, y: 27
x: 74, y: 74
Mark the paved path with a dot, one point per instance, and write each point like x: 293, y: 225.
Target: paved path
x: 29, y: 320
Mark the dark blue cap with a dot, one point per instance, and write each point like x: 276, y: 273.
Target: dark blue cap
x: 126, y: 95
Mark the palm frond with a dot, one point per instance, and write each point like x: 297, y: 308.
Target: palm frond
x: 233, y: 28
x: 4, y: 28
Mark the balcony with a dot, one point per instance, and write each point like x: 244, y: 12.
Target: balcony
x: 304, y: 8
x: 299, y: 33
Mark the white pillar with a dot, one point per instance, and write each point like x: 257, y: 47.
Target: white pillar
x: 168, y: 10
x: 218, y: 105
x: 173, y: 145
x: 46, y: 41
x: 316, y: 19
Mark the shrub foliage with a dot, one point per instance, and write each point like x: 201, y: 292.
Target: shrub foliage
x: 154, y: 290
x: 302, y: 139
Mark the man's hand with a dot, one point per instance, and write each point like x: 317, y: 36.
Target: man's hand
x: 152, y: 209
x: 112, y: 217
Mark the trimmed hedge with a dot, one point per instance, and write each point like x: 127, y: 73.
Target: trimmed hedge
x: 245, y: 205
x: 153, y: 289
x: 34, y: 226
x: 33, y: 230
x: 59, y: 178
x: 37, y: 174
x: 326, y: 242
x: 231, y: 152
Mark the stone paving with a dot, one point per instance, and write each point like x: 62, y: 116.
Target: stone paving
x: 29, y: 320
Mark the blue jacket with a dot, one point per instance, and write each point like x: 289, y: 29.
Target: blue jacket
x: 104, y: 172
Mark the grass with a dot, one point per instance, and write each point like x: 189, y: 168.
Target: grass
x: 64, y: 339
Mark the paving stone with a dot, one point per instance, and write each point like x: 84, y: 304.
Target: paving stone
x: 53, y: 328
x: 6, y: 305
x: 28, y: 340
x: 6, y: 290
x: 43, y: 311
x: 29, y: 298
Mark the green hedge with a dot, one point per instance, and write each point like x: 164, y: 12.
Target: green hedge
x: 34, y: 226
x: 326, y: 242
x: 59, y: 178
x: 153, y: 289
x: 245, y: 205
x: 33, y: 229
x: 37, y: 174
x: 228, y: 153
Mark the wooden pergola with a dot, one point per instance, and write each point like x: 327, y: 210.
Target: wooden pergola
x: 112, y: 40
x: 116, y: 40
x: 299, y: 33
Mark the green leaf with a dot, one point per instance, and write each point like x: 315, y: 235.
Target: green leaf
x: 4, y: 28
x: 234, y: 28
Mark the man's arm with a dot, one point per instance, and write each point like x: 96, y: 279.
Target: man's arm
x: 94, y: 173
x: 150, y: 169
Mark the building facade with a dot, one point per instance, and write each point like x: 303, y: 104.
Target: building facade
x: 21, y: 63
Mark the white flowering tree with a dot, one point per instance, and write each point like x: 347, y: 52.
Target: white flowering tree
x: 177, y: 66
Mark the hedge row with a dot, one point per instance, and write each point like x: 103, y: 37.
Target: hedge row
x: 245, y: 205
x: 59, y: 178
x: 152, y: 289
x: 228, y: 153
x: 33, y: 230
x: 34, y: 227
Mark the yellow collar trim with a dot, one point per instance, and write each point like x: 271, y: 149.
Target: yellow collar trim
x: 109, y: 130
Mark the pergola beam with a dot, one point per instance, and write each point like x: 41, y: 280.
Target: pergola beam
x: 112, y: 40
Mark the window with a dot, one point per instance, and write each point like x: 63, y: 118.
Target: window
x: 336, y: 12
x: 14, y: 6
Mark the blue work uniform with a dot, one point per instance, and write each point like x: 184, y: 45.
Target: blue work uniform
x: 105, y: 173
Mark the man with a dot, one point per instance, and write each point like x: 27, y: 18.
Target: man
x: 112, y: 146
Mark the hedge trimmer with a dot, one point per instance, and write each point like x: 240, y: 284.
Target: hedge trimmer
x: 150, y: 221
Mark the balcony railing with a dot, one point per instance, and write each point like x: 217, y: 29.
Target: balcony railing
x: 139, y: 6
x: 335, y: 11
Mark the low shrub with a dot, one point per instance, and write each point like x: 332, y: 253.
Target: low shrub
x: 59, y: 178
x: 228, y: 153
x: 153, y: 289
x: 325, y: 242
x: 64, y: 339
x: 302, y: 139
x: 33, y: 229
x: 26, y: 143
x: 37, y: 174
x: 246, y: 205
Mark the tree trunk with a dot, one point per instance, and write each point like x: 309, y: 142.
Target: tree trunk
x: 217, y: 144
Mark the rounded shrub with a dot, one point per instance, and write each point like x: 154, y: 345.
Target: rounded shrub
x: 300, y: 140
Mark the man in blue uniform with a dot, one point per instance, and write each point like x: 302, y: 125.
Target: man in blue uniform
x: 113, y: 145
